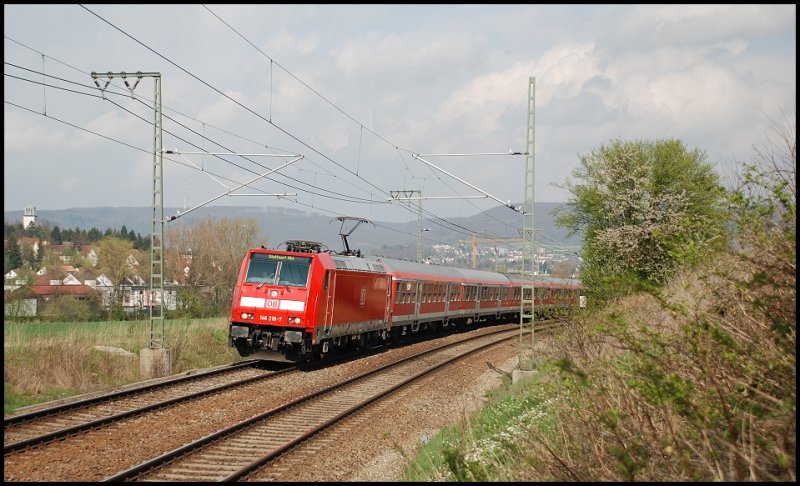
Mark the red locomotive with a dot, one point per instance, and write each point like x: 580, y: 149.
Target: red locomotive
x: 303, y: 302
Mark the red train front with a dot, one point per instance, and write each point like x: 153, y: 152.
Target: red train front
x: 296, y: 304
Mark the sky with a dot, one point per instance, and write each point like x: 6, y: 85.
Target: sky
x: 335, y: 109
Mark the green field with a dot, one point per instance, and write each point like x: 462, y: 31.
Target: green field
x: 51, y: 360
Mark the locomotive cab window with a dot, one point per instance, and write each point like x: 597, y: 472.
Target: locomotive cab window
x: 261, y: 270
x: 294, y: 272
x: 278, y: 270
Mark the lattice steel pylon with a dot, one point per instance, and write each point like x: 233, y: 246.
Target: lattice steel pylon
x: 156, y: 301
x: 156, y: 340
x: 526, y: 314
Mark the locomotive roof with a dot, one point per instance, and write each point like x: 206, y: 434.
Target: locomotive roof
x: 347, y: 262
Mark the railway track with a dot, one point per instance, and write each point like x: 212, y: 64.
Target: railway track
x: 31, y: 429
x: 52, y: 423
x: 245, y: 447
x: 129, y: 444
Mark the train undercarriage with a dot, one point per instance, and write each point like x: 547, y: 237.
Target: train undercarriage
x: 274, y: 343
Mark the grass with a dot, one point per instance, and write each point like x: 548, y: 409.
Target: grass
x: 47, y: 361
x: 694, y: 382
x: 484, y: 447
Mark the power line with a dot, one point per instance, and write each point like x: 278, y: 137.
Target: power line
x: 240, y: 104
x: 344, y: 197
x: 453, y: 226
x: 361, y: 125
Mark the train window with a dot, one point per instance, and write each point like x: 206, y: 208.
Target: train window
x: 294, y: 272
x: 261, y: 270
x: 397, y: 292
x: 410, y: 294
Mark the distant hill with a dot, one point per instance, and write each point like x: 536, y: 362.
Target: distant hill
x: 281, y: 224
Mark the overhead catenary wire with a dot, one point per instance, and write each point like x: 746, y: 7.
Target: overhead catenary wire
x: 243, y: 106
x: 147, y: 151
x: 335, y: 106
x: 452, y: 226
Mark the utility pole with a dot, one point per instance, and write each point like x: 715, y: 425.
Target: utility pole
x: 155, y: 361
x: 528, y: 290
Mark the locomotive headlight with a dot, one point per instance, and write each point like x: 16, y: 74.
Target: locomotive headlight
x: 246, y: 315
x: 294, y: 320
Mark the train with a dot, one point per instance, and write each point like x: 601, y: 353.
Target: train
x: 305, y: 303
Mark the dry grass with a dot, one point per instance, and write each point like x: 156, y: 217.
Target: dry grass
x: 696, y: 383
x: 56, y: 360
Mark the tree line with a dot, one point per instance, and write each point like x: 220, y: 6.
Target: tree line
x: 202, y: 258
x: 16, y: 256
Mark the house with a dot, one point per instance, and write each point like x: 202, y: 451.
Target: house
x: 134, y: 293
x: 132, y: 261
x: 89, y: 254
x: 99, y: 282
x: 64, y: 251
x: 31, y: 300
x: 13, y: 280
x: 32, y: 243
x: 45, y: 277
